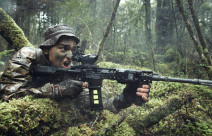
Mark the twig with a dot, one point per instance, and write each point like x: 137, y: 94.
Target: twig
x: 115, y: 124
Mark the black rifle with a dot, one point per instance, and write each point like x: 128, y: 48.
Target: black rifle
x: 89, y: 72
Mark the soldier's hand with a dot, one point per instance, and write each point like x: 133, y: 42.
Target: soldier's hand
x: 69, y: 87
x: 131, y: 94
x: 143, y: 92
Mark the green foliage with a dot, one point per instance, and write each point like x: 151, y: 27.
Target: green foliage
x: 184, y: 121
x: 120, y: 66
x: 171, y: 55
x: 170, y: 63
x: 103, y: 127
x: 30, y: 116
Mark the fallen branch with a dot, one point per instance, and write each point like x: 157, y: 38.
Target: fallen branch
x: 170, y: 107
x: 115, y: 124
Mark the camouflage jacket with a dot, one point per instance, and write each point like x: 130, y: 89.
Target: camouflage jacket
x: 19, y: 80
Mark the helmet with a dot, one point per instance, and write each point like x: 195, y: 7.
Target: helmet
x: 53, y: 33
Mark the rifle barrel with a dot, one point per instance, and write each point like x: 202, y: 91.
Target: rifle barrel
x: 182, y: 80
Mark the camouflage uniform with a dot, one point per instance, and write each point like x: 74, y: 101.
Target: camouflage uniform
x: 18, y: 79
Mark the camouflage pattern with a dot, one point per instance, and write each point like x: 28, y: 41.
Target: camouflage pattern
x: 53, y: 33
x: 19, y: 80
x: 17, y: 77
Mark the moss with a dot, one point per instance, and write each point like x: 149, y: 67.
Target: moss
x: 105, y: 122
x: 209, y: 72
x: 29, y: 116
x: 192, y: 119
x: 11, y: 32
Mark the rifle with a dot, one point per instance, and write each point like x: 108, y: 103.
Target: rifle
x: 89, y: 72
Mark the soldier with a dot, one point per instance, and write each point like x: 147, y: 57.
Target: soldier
x: 18, y: 79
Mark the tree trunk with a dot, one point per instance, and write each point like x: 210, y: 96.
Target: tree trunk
x: 178, y: 40
x: 101, y: 45
x: 164, y: 25
x: 11, y: 32
x: 198, y: 47
x: 148, y: 32
x: 199, y: 32
x: 157, y: 27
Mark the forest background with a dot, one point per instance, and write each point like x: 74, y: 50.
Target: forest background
x: 167, y: 48
x: 147, y: 34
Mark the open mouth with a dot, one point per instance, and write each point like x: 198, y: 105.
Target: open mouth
x: 67, y: 64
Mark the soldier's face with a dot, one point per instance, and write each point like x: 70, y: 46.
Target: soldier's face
x: 61, y: 53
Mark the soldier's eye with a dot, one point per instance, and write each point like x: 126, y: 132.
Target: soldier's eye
x: 62, y: 48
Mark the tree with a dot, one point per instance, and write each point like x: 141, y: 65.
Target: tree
x: 199, y: 32
x: 164, y: 25
x: 148, y: 31
x: 199, y: 48
x: 101, y: 45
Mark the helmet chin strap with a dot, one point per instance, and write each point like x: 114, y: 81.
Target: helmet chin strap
x: 46, y: 58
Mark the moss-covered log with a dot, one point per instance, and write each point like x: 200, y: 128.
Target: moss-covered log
x: 161, y: 112
x: 30, y: 116
x: 11, y: 32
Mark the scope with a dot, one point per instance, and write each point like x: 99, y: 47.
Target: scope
x: 87, y: 59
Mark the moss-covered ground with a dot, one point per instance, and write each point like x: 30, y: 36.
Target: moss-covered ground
x: 42, y: 116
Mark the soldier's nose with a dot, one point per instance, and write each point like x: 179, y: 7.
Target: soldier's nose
x: 69, y: 55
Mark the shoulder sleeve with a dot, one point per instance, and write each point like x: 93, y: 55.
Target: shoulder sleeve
x: 17, y: 75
